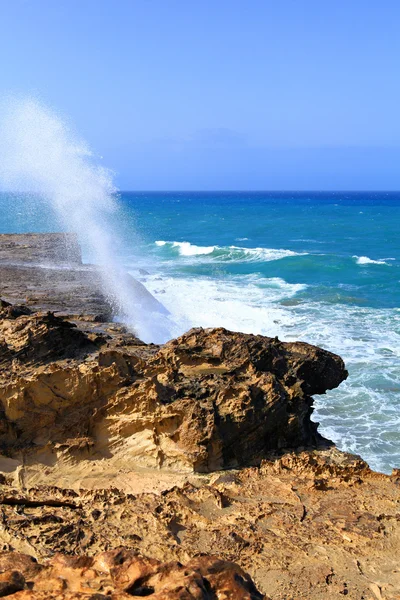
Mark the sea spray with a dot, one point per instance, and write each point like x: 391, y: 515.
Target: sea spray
x: 39, y: 152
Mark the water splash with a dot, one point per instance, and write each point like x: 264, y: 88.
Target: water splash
x: 39, y: 152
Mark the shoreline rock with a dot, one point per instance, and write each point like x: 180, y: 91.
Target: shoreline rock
x: 45, y: 272
x: 206, y: 401
x: 113, y: 450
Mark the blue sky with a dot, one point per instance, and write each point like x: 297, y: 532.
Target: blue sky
x: 218, y: 94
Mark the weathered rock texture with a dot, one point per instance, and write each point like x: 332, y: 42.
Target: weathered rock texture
x: 121, y: 574
x: 313, y: 525
x: 112, y: 451
x: 209, y: 400
x: 40, y: 248
x: 45, y: 271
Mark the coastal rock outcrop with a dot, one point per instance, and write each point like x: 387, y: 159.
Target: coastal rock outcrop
x: 40, y: 248
x: 209, y: 400
x: 129, y: 469
x: 45, y: 272
x: 218, y: 399
x: 39, y: 338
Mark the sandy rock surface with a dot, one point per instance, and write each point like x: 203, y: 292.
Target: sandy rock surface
x: 315, y: 524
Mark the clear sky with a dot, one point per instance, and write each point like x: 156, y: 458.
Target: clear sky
x: 218, y: 94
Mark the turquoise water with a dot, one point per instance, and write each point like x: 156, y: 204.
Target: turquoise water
x: 320, y: 267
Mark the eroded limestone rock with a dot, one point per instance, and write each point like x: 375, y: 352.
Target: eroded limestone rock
x: 121, y: 574
x: 314, y: 525
x: 209, y: 400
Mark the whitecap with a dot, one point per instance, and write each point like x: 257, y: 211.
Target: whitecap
x: 246, y: 303
x: 365, y: 260
x: 229, y: 253
x: 264, y: 254
x: 186, y: 248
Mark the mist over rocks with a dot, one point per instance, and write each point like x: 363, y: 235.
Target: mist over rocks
x: 45, y: 272
x: 40, y: 249
x: 40, y: 153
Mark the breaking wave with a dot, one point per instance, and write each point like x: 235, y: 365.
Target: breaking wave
x: 365, y: 260
x: 225, y: 253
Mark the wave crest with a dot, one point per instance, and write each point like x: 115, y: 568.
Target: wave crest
x: 228, y: 253
x: 186, y: 248
x: 365, y: 260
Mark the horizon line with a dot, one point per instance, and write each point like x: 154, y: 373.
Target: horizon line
x: 231, y: 191
x: 260, y: 191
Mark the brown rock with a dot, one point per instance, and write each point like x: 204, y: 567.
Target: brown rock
x: 306, y: 525
x: 42, y: 248
x: 130, y: 575
x: 45, y: 271
x: 10, y: 311
x: 11, y: 582
x: 212, y: 399
x: 32, y: 595
x: 23, y: 563
x: 41, y: 337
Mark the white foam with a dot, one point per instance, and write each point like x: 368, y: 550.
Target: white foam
x: 365, y: 260
x: 186, y: 248
x: 246, y: 303
x: 365, y: 408
x: 266, y: 254
x: 229, y: 253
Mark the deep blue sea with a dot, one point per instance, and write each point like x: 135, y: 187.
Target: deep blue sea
x: 318, y: 267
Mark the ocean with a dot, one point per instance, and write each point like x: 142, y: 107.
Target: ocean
x: 319, y: 267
